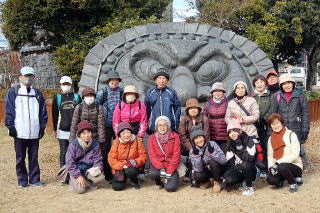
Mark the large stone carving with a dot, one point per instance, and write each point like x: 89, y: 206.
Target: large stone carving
x: 196, y: 55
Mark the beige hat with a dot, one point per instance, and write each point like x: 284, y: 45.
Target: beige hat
x: 285, y: 78
x: 131, y: 89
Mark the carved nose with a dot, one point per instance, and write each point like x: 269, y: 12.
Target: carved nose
x: 184, y: 84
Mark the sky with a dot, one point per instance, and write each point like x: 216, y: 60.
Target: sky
x: 181, y: 10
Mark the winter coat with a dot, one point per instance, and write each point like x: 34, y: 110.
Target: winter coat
x: 109, y: 99
x: 291, y: 153
x: 171, y: 159
x: 162, y: 102
x: 202, y: 160
x: 131, y: 113
x: 234, y: 110
x: 216, y: 114
x: 118, y: 154
x: 295, y: 113
x: 78, y: 161
x: 26, y: 112
x: 247, y: 153
x: 92, y: 113
x: 185, y: 129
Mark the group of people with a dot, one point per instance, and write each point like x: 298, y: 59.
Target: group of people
x: 112, y: 135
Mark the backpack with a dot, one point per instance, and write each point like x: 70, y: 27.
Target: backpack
x: 75, y: 99
x: 37, y: 92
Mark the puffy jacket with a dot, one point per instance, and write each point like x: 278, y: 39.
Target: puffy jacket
x: 295, y: 113
x: 264, y: 102
x: 291, y: 150
x: 216, y: 114
x: 185, y: 129
x: 202, y: 160
x: 77, y: 159
x: 109, y: 98
x: 130, y: 113
x: 92, y: 113
x: 26, y: 112
x: 118, y: 154
x: 162, y: 102
x: 171, y: 159
x: 234, y: 110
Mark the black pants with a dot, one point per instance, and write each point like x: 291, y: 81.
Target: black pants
x: 63, y: 150
x: 171, y: 186
x: 131, y: 173
x: 215, y: 172
x: 223, y: 145
x: 286, y: 171
x: 263, y: 139
x: 21, y: 146
x: 105, y: 149
x: 236, y: 174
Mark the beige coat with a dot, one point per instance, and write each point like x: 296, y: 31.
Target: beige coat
x: 234, y: 110
x: 291, y: 150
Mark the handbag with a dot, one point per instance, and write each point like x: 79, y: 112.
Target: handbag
x: 63, y: 174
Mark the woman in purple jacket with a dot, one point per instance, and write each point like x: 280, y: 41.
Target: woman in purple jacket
x: 215, y: 109
x: 84, y: 160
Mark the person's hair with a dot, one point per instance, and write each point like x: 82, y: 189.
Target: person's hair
x: 243, y: 137
x: 273, y: 117
x: 259, y: 77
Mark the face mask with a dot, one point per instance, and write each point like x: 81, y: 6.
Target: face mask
x: 130, y: 98
x: 65, y: 88
x: 27, y: 80
x: 88, y: 100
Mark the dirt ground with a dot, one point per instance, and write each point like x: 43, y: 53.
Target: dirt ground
x: 55, y: 198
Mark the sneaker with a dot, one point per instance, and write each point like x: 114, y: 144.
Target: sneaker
x: 263, y: 175
x: 22, y: 185
x: 63, y: 183
x: 38, y: 184
x: 248, y: 191
x: 299, y: 181
x: 293, y: 188
x: 216, y: 187
x: 136, y: 185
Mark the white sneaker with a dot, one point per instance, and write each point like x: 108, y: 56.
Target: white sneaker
x: 248, y: 191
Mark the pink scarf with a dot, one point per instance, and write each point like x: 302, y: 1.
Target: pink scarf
x: 163, y: 138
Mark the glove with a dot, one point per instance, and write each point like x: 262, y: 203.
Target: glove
x: 41, y: 133
x: 13, y: 132
x: 304, y: 136
x: 238, y: 143
x: 162, y: 173
x: 131, y: 163
x: 210, y: 148
x: 273, y: 170
x: 195, y: 151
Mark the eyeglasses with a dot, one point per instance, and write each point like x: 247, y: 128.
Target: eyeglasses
x: 162, y: 125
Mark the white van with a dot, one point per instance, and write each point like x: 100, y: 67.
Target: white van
x: 299, y: 75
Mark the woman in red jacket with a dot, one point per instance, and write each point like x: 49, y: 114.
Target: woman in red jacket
x: 164, y: 153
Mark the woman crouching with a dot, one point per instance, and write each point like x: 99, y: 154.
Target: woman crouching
x: 284, y: 161
x: 206, y: 159
x: 126, y: 157
x: 83, y: 160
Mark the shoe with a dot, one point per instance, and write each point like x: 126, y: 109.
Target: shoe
x: 109, y: 180
x: 38, y: 184
x: 205, y: 185
x: 159, y: 184
x: 299, y: 181
x: 280, y: 184
x: 248, y: 191
x: 216, y: 187
x: 263, y: 175
x: 22, y: 185
x: 63, y: 183
x: 293, y: 188
x: 136, y: 185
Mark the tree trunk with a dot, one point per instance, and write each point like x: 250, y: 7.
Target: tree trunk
x: 312, y: 65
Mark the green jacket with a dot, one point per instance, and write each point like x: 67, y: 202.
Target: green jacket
x: 264, y: 102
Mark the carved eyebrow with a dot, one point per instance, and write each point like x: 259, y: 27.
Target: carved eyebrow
x: 207, y: 52
x: 154, y: 51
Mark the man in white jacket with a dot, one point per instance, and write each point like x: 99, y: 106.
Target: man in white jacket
x: 26, y: 119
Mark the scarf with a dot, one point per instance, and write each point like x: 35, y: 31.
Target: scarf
x: 133, y: 137
x: 277, y: 143
x: 274, y: 88
x: 85, y: 146
x: 217, y: 101
x: 239, y: 98
x: 163, y: 138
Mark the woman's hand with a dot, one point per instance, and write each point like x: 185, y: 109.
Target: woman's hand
x: 125, y: 166
x: 81, y: 181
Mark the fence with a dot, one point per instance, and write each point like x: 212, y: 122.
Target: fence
x: 314, y: 109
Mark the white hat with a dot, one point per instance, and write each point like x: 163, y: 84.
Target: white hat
x: 240, y: 82
x: 285, y: 78
x: 27, y: 70
x: 162, y: 117
x: 65, y: 79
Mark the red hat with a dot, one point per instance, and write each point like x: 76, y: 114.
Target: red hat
x: 272, y: 72
x: 84, y: 125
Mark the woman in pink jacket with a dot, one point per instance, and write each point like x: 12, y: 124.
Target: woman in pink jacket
x: 132, y: 111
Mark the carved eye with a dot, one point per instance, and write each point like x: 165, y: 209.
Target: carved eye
x: 211, y: 71
x: 145, y: 69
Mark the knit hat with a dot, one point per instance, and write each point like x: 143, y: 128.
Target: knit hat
x: 261, y: 77
x: 240, y: 82
x: 233, y: 124
x: 192, y: 103
x: 196, y: 131
x: 162, y: 117
x: 271, y: 72
x: 285, y: 78
x: 27, y: 70
x: 84, y: 125
x: 113, y: 74
x: 131, y: 89
x: 163, y: 72
x: 87, y: 91
x: 217, y: 86
x: 122, y: 126
x: 65, y: 79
